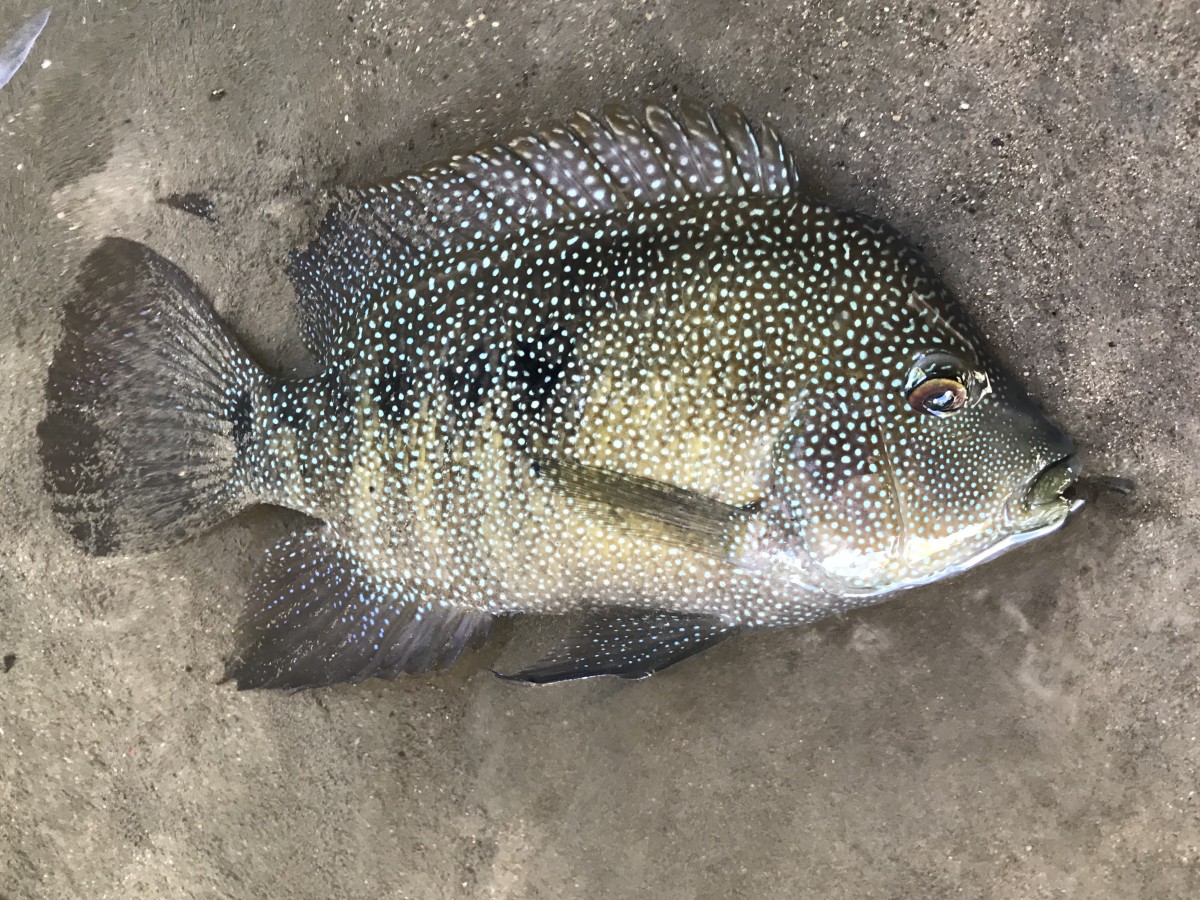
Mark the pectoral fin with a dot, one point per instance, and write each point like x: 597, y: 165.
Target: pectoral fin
x: 666, y: 511
x: 628, y: 643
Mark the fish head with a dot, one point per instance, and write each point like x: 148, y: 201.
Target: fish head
x: 910, y: 453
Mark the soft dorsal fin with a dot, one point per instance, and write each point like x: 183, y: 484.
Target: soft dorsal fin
x: 594, y: 165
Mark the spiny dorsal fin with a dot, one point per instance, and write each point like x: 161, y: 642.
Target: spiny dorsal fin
x: 592, y: 166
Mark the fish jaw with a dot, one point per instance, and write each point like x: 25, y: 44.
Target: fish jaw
x: 833, y: 584
x: 773, y: 548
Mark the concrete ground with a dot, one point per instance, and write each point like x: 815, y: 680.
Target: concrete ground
x: 1029, y: 730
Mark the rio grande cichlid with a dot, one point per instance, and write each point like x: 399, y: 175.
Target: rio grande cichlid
x: 623, y: 365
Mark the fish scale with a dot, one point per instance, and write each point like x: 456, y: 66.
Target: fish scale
x: 621, y: 365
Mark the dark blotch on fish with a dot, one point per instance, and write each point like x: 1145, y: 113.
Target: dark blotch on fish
x: 292, y: 409
x: 467, y: 382
x: 388, y: 390
x: 239, y: 417
x: 538, y: 366
x: 10, y: 660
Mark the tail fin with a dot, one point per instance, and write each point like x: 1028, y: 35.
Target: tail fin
x: 148, y: 398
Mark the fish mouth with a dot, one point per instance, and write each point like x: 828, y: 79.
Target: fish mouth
x: 1048, y: 498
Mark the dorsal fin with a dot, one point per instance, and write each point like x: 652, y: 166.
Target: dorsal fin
x: 593, y: 165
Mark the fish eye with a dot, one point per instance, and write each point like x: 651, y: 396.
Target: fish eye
x: 938, y: 396
x: 940, y: 383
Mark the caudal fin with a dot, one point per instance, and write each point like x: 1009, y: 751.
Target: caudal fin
x: 148, y: 398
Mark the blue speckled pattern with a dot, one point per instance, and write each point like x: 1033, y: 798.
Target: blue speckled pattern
x: 622, y: 365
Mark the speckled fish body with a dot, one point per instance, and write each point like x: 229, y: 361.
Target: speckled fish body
x: 624, y: 365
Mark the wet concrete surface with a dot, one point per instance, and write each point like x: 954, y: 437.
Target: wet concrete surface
x: 1028, y: 730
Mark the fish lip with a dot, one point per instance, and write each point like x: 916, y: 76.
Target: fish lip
x: 1047, y: 499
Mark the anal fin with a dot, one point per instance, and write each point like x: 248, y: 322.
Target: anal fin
x: 316, y: 617
x: 628, y: 643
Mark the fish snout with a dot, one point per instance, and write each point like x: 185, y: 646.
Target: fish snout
x: 1052, y: 482
x: 1045, y: 501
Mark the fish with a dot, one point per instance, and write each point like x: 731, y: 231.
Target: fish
x: 625, y: 367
